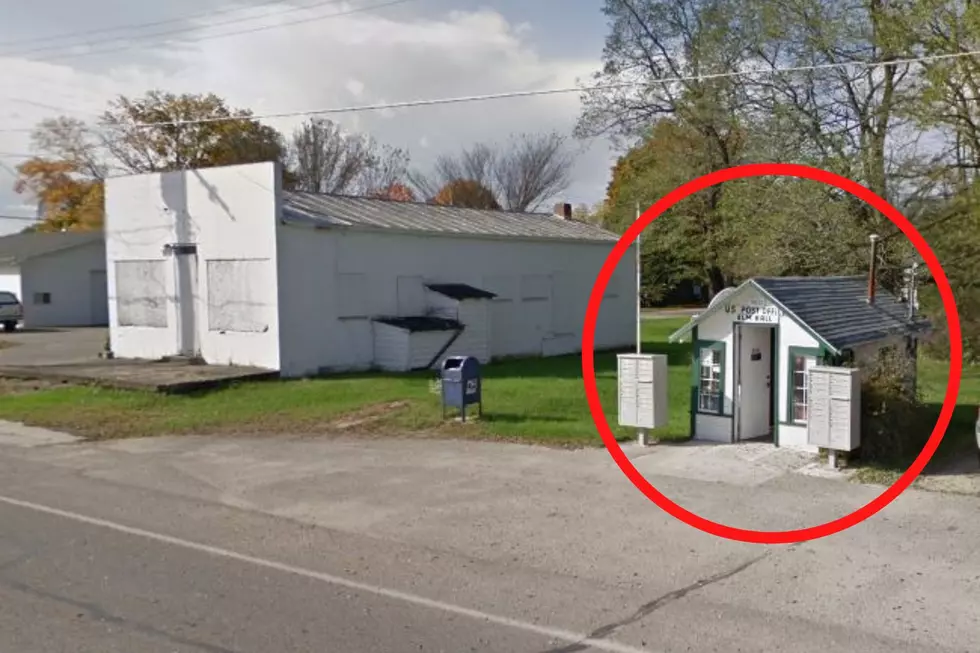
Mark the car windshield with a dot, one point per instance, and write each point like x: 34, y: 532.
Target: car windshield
x: 8, y: 298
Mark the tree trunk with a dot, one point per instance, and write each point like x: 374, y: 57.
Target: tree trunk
x: 716, y: 281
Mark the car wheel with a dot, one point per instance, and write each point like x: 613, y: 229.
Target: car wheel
x: 9, y: 326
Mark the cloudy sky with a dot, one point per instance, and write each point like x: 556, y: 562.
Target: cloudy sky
x: 409, y: 50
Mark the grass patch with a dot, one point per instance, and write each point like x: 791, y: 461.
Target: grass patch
x: 530, y: 400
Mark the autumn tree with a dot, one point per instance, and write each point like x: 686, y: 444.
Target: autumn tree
x: 325, y: 159
x: 397, y: 192
x: 466, y: 193
x: 521, y: 175
x: 69, y: 199
x: 159, y: 132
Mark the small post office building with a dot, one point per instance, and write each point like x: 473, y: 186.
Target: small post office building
x: 754, y: 344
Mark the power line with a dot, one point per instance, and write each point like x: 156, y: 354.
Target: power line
x: 168, y: 21
x: 18, y: 217
x: 545, y: 92
x: 208, y: 37
x: 555, y: 91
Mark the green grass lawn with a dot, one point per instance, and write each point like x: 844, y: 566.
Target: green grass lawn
x: 531, y: 400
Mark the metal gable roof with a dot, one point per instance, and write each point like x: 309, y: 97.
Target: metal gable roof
x: 321, y: 210
x: 834, y: 309
x: 17, y: 248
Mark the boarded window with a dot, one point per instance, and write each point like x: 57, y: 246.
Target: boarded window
x: 535, y: 286
x: 238, y: 296
x: 352, y: 295
x: 141, y: 293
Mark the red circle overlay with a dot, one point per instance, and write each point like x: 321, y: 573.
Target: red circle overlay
x: 742, y: 172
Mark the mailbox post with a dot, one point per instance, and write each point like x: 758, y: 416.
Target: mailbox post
x: 462, y: 384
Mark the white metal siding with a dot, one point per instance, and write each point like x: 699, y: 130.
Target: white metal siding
x: 311, y: 262
x: 231, y: 215
x: 424, y: 345
x: 390, y: 347
x: 67, y: 276
x: 474, y: 341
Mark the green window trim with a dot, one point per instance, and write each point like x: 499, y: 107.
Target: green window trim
x: 716, y: 345
x: 819, y: 353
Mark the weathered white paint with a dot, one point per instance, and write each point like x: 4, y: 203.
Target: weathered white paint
x: 72, y: 277
x: 312, y: 305
x: 231, y: 214
x: 388, y: 267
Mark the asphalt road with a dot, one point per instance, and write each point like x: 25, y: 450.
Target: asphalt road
x: 174, y: 545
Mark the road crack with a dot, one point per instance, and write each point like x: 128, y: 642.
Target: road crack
x: 645, y: 610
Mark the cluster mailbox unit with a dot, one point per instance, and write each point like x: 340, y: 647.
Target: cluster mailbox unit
x: 834, y: 419
x: 642, y: 380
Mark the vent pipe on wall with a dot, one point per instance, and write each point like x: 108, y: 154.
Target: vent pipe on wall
x: 873, y: 269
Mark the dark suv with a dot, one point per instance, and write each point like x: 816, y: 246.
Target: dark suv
x: 11, y: 310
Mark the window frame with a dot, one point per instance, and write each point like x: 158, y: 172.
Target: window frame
x: 793, y: 354
x: 713, y: 346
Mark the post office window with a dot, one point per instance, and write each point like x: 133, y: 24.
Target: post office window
x: 800, y: 360
x: 711, y: 377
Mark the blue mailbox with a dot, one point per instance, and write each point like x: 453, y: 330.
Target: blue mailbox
x: 461, y: 384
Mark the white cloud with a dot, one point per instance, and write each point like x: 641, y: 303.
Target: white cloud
x: 354, y: 60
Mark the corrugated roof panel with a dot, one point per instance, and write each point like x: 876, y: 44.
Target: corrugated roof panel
x: 343, y: 211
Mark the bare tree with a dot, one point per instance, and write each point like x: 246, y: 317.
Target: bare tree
x: 530, y: 170
x: 325, y: 159
x: 535, y: 168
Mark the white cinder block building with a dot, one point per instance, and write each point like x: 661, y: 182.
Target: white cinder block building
x: 59, y: 277
x: 753, y: 347
x: 222, y: 264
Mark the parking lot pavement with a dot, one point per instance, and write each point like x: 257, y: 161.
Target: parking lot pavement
x: 52, y: 346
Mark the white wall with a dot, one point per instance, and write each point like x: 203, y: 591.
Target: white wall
x: 231, y: 215
x: 333, y: 281
x: 68, y: 276
x: 10, y: 281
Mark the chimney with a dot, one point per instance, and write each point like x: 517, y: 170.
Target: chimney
x: 873, y: 269
x: 563, y: 210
